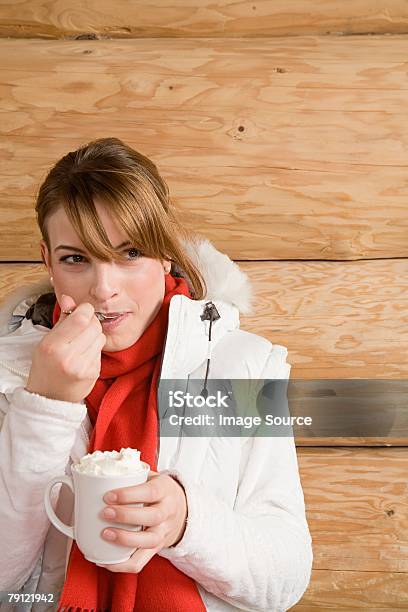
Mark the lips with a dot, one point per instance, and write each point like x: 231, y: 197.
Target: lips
x: 111, y: 323
x: 110, y: 314
x: 102, y: 316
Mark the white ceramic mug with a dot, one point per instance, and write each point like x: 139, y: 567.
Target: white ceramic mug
x: 88, y: 490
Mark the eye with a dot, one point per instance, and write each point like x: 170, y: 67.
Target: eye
x: 136, y: 253
x: 133, y: 255
x: 66, y: 257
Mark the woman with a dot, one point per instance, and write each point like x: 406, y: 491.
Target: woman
x: 133, y: 301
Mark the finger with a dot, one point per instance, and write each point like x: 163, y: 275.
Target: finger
x: 141, y: 557
x: 150, y: 492
x: 72, y: 325
x: 147, y: 516
x: 147, y: 538
x: 67, y: 305
x: 91, y: 356
x: 135, y: 564
x: 87, y: 341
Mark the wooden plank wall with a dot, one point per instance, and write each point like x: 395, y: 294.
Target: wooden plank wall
x: 280, y: 128
x: 200, y: 18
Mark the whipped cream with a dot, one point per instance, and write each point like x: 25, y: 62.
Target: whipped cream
x: 111, y: 463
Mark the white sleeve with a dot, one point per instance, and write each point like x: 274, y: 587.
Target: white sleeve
x: 257, y: 555
x: 36, y: 437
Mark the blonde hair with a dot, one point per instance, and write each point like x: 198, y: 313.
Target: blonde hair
x: 130, y: 186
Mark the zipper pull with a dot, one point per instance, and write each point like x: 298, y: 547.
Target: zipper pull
x: 210, y: 312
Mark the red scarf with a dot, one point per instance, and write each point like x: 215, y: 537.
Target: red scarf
x: 122, y: 407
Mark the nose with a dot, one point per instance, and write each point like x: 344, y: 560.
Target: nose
x: 104, y: 283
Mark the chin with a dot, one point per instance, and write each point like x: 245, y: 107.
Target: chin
x: 111, y: 347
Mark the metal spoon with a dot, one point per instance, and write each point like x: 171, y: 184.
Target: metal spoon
x: 102, y: 317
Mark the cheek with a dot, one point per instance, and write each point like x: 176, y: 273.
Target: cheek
x: 69, y: 285
x: 148, y: 289
x: 67, y: 278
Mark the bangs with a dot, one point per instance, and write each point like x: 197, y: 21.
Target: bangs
x: 134, y: 210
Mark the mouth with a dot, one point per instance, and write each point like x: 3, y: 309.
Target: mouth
x: 109, y: 316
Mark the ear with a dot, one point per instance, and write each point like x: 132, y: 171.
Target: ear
x: 166, y: 263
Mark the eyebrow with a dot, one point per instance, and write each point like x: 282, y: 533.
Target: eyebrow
x: 60, y: 247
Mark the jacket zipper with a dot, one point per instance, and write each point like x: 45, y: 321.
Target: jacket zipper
x: 211, y: 314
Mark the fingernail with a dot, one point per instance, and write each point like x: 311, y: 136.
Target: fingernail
x: 109, y: 534
x: 109, y: 513
x: 110, y: 497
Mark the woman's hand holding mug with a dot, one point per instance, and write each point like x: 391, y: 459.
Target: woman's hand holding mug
x: 67, y: 362
x: 163, y: 519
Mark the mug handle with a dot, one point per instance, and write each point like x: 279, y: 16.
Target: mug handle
x: 66, y: 529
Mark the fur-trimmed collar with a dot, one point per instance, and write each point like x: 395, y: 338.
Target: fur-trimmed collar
x: 224, y: 279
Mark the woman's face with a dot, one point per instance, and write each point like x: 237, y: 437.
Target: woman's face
x: 135, y: 285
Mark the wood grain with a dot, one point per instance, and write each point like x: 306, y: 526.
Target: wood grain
x: 347, y: 590
x: 357, y: 511
x: 224, y: 18
x: 274, y: 149
x: 344, y: 320
x: 357, y: 507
